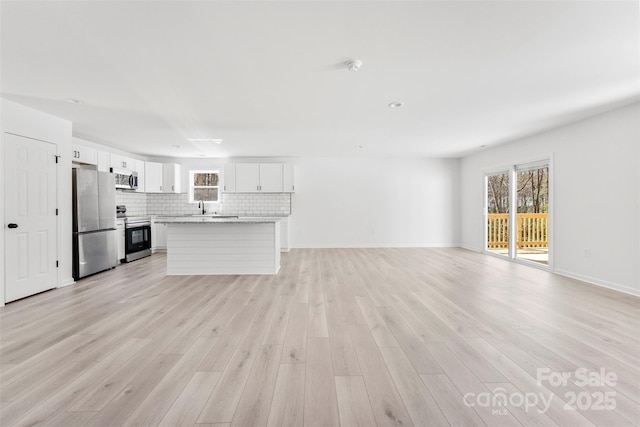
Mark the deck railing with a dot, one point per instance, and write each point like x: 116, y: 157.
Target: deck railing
x: 532, y: 230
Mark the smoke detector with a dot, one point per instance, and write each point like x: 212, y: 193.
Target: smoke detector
x: 354, y: 64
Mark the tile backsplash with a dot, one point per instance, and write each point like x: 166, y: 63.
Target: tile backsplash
x: 270, y: 204
x: 246, y: 204
x: 136, y: 203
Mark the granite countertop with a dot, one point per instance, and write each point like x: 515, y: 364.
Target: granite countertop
x: 214, y: 220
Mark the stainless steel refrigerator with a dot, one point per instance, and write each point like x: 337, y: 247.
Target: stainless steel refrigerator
x: 94, y: 222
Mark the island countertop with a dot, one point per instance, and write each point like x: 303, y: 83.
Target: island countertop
x: 215, y: 220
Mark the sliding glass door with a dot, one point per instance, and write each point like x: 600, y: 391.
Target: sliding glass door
x: 532, y: 219
x: 517, y: 211
x: 497, y: 201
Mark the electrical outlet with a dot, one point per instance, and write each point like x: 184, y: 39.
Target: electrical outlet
x: 587, y: 252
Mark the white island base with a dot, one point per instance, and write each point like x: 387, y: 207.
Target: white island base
x: 223, y: 247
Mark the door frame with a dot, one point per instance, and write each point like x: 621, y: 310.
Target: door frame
x: 511, y: 167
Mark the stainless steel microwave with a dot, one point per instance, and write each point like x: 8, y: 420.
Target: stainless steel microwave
x: 125, y: 179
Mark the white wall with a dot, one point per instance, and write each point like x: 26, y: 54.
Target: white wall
x: 596, y: 178
x: 21, y: 120
x: 356, y: 202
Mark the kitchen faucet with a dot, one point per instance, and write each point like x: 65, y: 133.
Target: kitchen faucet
x: 201, y: 204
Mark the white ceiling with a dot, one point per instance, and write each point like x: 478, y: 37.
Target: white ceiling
x: 269, y: 77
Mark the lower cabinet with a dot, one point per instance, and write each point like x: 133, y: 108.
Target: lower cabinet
x: 158, y: 235
x: 120, y: 240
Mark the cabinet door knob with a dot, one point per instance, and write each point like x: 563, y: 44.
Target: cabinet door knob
x: 12, y: 225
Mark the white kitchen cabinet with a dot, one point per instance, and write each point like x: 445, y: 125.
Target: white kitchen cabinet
x: 288, y: 178
x: 229, y: 178
x: 122, y: 162
x: 270, y: 178
x: 171, y: 178
x: 104, y: 161
x: 158, y: 236
x: 258, y: 178
x: 84, y: 155
x: 120, y: 240
x: 247, y: 177
x: 152, y: 177
x: 139, y: 168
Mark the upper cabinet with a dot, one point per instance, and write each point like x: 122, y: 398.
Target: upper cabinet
x: 153, y: 177
x: 122, y: 162
x: 85, y: 155
x: 171, y: 178
x: 258, y: 178
x: 161, y: 177
x: 229, y: 178
x: 247, y: 177
x: 288, y: 178
x: 104, y: 161
x: 140, y: 168
x: 270, y: 177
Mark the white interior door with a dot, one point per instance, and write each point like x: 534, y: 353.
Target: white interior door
x: 30, y: 217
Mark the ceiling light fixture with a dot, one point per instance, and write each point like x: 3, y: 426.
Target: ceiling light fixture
x: 396, y: 104
x: 214, y: 140
x: 354, y: 64
x: 359, y: 146
x: 74, y: 101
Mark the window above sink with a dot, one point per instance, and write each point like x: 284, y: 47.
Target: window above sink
x: 204, y: 185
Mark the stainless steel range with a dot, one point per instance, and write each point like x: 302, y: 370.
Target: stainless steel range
x: 137, y: 231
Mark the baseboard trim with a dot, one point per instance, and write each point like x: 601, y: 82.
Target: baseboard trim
x: 66, y: 282
x: 372, y: 246
x: 597, y: 282
x: 469, y: 248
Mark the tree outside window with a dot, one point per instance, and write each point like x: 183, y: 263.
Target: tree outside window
x: 204, y: 185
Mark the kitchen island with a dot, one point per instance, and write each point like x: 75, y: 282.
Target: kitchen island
x: 209, y: 245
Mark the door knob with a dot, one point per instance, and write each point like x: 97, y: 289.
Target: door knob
x: 12, y: 225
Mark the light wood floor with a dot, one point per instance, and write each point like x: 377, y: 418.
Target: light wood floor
x: 341, y: 337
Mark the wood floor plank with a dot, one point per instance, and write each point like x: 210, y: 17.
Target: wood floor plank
x: 255, y: 402
x: 379, y: 329
x: 83, y: 384
x: 387, y: 404
x: 415, y: 350
x: 320, y: 402
x: 343, y: 355
x: 122, y: 406
x: 186, y: 409
x: 317, y: 320
x: 451, y: 401
x: 37, y: 394
x: 70, y: 419
x: 523, y: 381
x: 223, y: 401
x: 295, y: 343
x: 527, y: 416
x: 422, y: 409
x: 278, y: 326
x: 153, y: 409
x: 30, y: 373
x: 353, y: 402
x: 287, y: 407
